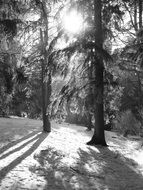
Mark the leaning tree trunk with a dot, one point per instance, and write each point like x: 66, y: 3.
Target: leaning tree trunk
x: 99, y: 136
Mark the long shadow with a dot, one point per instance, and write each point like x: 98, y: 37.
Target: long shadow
x: 95, y: 168
x: 9, y: 145
x: 40, y: 138
x: 18, y: 148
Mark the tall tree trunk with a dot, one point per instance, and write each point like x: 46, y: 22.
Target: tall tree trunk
x: 46, y: 74
x: 135, y: 15
x: 140, y: 13
x: 45, y: 103
x: 140, y: 6
x: 99, y: 136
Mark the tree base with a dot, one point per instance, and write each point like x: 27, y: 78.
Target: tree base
x: 94, y: 141
x: 46, y: 125
x: 46, y: 131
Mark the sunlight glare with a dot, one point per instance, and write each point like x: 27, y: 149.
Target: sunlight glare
x: 73, y: 22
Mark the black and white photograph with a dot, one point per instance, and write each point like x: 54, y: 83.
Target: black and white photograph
x: 71, y: 94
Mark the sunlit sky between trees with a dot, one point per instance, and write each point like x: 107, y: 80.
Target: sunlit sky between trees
x: 73, y: 22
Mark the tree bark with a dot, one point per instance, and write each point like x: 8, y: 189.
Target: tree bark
x: 140, y: 13
x: 46, y: 93
x: 99, y: 136
x: 46, y: 74
x: 135, y: 16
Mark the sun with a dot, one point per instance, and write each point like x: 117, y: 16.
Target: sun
x: 73, y: 22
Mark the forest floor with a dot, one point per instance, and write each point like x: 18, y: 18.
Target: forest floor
x: 61, y: 160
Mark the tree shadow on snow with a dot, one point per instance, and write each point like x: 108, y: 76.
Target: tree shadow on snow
x: 39, y: 138
x: 106, y: 169
x: 13, y: 143
x: 95, y: 168
x: 12, y: 129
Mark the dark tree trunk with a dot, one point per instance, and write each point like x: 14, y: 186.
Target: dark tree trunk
x: 99, y: 136
x: 135, y: 15
x: 46, y: 93
x: 46, y: 73
x: 140, y: 13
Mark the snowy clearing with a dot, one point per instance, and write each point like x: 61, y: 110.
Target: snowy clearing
x: 32, y: 160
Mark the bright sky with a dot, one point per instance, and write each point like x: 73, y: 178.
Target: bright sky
x: 73, y: 22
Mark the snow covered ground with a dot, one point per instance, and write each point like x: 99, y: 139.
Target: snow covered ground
x: 61, y: 160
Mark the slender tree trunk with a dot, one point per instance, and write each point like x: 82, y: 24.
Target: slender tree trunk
x: 99, y: 136
x: 135, y: 15
x: 45, y: 98
x: 140, y: 13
